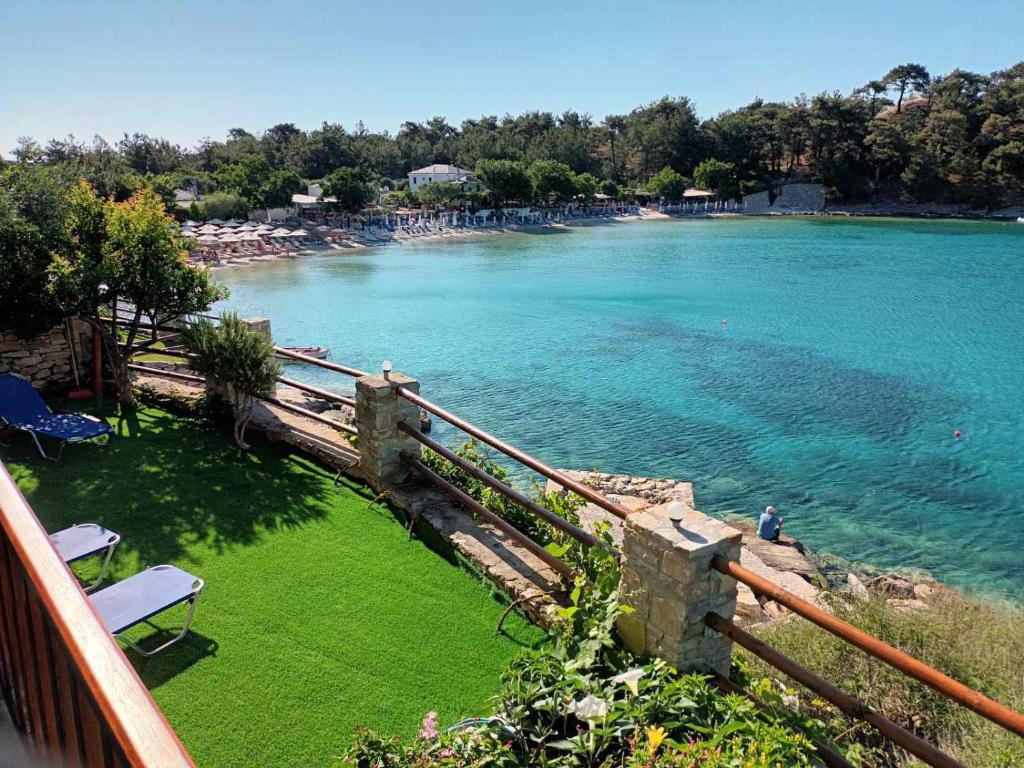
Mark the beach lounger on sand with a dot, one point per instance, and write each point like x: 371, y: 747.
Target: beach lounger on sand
x: 140, y: 597
x: 23, y: 409
x: 86, y: 540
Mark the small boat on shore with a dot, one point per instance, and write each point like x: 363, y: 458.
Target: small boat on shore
x: 320, y: 353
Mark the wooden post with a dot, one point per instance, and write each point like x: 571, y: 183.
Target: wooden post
x: 97, y: 363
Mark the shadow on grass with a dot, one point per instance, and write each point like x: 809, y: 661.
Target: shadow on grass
x: 166, y: 483
x: 157, y: 670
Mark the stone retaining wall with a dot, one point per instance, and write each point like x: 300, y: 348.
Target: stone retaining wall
x: 46, y: 359
x: 789, y: 198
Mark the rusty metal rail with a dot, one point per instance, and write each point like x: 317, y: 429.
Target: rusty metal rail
x: 828, y: 756
x: 947, y: 686
x: 298, y: 410
x: 507, y: 528
x: 347, y: 370
x: 169, y: 374
x: 507, y: 491
x: 846, y: 703
x: 321, y: 393
x: 536, y: 465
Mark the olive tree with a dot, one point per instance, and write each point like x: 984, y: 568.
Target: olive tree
x: 125, y: 263
x: 238, y: 360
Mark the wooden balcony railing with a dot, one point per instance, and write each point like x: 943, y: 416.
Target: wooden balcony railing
x: 67, y: 684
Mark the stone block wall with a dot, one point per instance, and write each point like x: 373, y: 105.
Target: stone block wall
x: 379, y: 411
x: 668, y: 581
x: 46, y: 359
x: 790, y: 198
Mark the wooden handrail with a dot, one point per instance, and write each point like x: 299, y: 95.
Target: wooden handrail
x: 68, y: 683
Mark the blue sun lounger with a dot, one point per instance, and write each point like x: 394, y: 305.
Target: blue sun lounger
x: 86, y: 540
x: 140, y: 597
x: 23, y: 409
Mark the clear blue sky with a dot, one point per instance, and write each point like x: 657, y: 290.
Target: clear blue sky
x: 184, y: 69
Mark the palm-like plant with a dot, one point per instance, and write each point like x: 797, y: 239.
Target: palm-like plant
x: 237, y: 359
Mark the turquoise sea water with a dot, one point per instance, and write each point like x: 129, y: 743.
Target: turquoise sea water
x: 851, y: 352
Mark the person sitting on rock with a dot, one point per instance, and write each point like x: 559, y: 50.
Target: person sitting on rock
x: 769, y: 527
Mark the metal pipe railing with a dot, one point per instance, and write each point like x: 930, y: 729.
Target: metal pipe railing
x: 321, y: 393
x: 536, y: 465
x: 505, y: 490
x: 507, y: 528
x: 842, y: 700
x: 348, y: 371
x: 828, y: 756
x: 298, y: 410
x: 947, y: 686
x: 169, y: 374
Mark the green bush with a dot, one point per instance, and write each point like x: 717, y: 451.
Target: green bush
x: 238, y: 360
x: 224, y: 206
x: 980, y: 644
x: 582, y: 701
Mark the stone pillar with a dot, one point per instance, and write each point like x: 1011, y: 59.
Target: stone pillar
x: 668, y: 581
x: 379, y: 410
x: 261, y: 325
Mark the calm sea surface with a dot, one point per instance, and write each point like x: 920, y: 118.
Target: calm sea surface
x: 851, y: 352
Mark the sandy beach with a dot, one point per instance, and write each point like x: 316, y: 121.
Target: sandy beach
x: 356, y: 243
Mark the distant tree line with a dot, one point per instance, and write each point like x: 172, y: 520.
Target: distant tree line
x: 910, y: 136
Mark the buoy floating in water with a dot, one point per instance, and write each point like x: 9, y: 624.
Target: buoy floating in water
x: 725, y: 323
x: 956, y: 434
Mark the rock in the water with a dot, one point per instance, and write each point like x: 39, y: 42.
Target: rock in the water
x: 857, y: 588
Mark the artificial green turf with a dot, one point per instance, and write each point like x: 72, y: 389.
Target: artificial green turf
x: 318, y: 612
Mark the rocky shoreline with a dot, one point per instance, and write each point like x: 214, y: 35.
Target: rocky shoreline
x: 810, y: 576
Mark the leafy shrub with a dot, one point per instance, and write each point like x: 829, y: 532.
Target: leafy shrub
x: 980, y: 644
x: 223, y: 205
x: 584, y: 701
x: 598, y: 564
x: 239, y: 360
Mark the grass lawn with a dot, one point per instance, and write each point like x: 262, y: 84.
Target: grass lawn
x: 318, y: 613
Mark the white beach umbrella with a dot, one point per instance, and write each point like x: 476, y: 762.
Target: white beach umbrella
x: 229, y: 238
x: 299, y: 233
x: 218, y: 222
x: 209, y: 240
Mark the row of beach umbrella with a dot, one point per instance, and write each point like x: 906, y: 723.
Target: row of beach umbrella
x: 216, y: 232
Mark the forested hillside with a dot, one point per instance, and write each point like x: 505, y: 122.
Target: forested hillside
x: 909, y: 136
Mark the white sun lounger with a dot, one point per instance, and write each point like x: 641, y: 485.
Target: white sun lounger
x: 140, y: 597
x: 86, y: 540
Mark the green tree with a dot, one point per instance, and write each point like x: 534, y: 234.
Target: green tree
x: 439, y: 193
x: 906, y: 79
x: 587, y: 185
x: 238, y: 361
x: 32, y: 213
x: 127, y: 258
x: 223, y: 206
x: 504, y: 180
x: 349, y: 188
x: 552, y: 181
x: 667, y: 184
x: 718, y: 176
